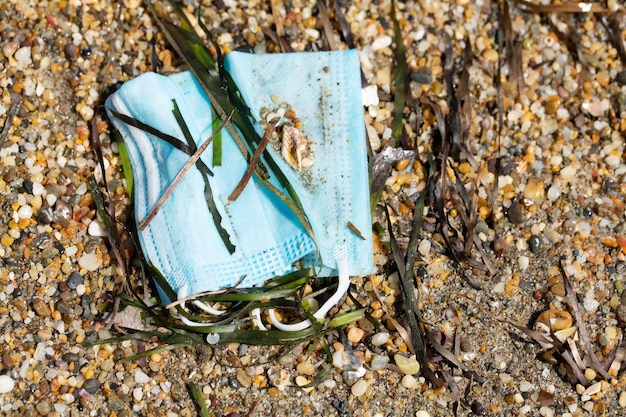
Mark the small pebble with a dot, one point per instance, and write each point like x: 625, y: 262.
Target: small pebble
x: 6, y: 384
x: 379, y: 362
x: 23, y: 56
x: 515, y: 213
x: 525, y: 386
x: 359, y: 388
x: 43, y: 407
x: 74, y: 280
x: 355, y: 334
x: 138, y: 394
x: 96, y: 228
x: 422, y: 413
x: 305, y: 368
x: 409, y: 381
x: 41, y: 308
x: 90, y: 261
x: 381, y: 42
x: 141, y: 377
x: 92, y: 385
x: 409, y: 366
x: 380, y: 339
x: 534, y: 243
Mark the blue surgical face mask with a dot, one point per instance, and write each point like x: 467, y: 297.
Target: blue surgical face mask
x: 328, y: 170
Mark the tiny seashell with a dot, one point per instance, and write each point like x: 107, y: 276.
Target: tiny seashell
x: 565, y: 333
x: 555, y: 319
x: 293, y: 145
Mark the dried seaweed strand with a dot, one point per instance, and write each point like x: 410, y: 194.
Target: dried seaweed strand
x: 269, y: 131
x: 453, y: 138
x: 572, y: 41
x: 416, y: 337
x: 196, y: 393
x: 280, y: 29
x: 191, y: 162
x: 611, y: 25
x: 401, y: 76
x: 108, y: 218
x: 513, y: 49
x: 582, y: 330
x: 175, y: 142
x: 326, y: 25
x: 9, y: 120
x: 348, y: 37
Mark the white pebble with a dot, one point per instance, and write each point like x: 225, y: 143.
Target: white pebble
x: 523, y: 262
x: 568, y: 173
x: 409, y: 381
x: 90, y: 261
x: 6, y: 384
x: 381, y: 42
x: 612, y: 161
x: 141, y: 377
x: 359, y: 388
x: 25, y: 212
x: 554, y: 192
x: 80, y: 289
x: 71, y: 250
x: 330, y: 383
x: 313, y: 34
x: 515, y: 115
x: 22, y: 55
x: 96, y: 228
x: 38, y: 188
x: 338, y: 359
x: 525, y: 386
x: 51, y: 199
x: 424, y: 247
x: 591, y: 304
x: 380, y: 339
x: 138, y: 394
x: 546, y: 412
x: 422, y: 413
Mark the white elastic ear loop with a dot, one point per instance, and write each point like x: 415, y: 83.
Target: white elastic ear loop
x: 342, y: 289
x: 183, y: 292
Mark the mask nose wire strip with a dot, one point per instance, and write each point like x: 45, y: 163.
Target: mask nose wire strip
x: 182, y: 293
x: 342, y: 289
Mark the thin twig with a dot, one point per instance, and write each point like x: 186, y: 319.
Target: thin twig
x: 582, y: 329
x: 269, y: 131
x: 191, y: 162
x: 9, y: 121
x: 326, y: 25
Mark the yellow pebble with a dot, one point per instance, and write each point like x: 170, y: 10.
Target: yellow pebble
x: 305, y: 368
x: 465, y: 168
x: 355, y: 334
x: 590, y: 374
x: 7, y: 240
x: 400, y: 165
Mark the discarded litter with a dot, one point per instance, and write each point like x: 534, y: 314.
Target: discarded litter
x: 204, y: 240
